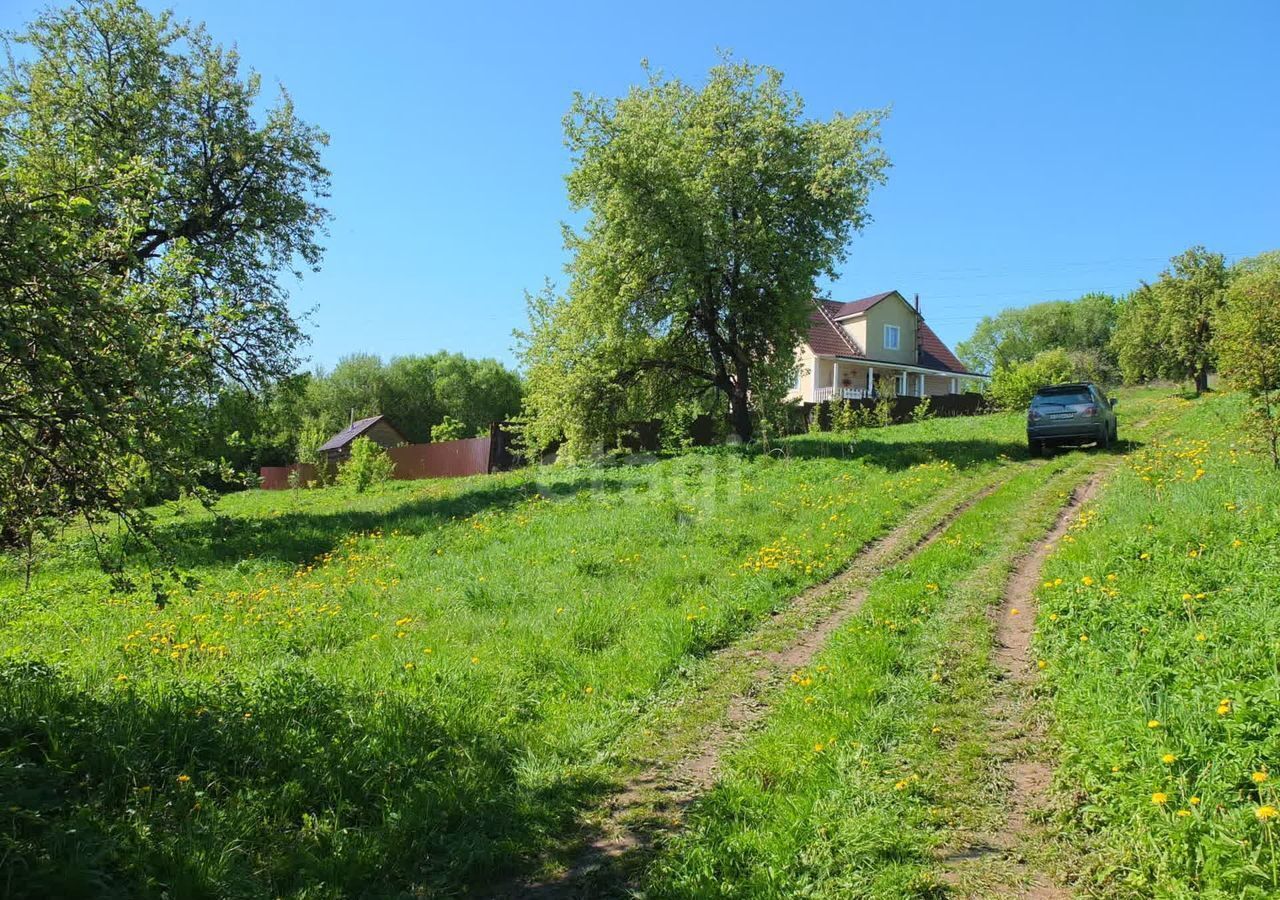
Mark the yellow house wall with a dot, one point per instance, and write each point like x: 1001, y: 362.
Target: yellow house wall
x: 891, y: 311
x: 808, y: 369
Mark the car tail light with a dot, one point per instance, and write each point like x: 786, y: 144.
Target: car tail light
x: 1090, y: 411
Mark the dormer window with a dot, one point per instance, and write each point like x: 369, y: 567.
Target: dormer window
x: 891, y: 337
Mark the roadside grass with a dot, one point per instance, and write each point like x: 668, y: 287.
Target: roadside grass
x: 824, y: 801
x: 412, y: 691
x: 1161, y: 634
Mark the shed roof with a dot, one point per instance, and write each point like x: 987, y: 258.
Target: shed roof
x: 353, y: 431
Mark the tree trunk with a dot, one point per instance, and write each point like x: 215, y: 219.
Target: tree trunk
x: 1202, y: 380
x: 740, y: 413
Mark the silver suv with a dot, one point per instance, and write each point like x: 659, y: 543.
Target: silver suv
x: 1076, y: 413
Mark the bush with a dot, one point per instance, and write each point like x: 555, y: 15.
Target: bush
x: 448, y: 429
x: 923, y: 410
x: 368, y: 465
x: 1014, y: 386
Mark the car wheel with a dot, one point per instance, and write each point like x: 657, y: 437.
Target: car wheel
x: 1035, y: 448
x: 1105, y: 443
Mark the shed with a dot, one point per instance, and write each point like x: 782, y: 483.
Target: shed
x: 376, y: 428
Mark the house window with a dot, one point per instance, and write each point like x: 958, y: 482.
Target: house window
x: 891, y: 337
x: 902, y: 380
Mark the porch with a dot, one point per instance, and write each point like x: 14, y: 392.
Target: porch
x: 837, y: 379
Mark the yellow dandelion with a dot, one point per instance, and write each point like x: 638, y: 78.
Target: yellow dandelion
x: 1168, y: 759
x: 1194, y: 801
x: 1040, y: 663
x: 1159, y: 798
x: 1183, y: 813
x: 1014, y: 611
x: 1266, y: 813
x: 1153, y: 723
x: 474, y: 660
x: 818, y: 748
x: 1259, y: 777
x: 1086, y: 580
x: 184, y: 778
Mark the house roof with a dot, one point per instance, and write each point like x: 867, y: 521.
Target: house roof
x: 353, y: 431
x: 936, y: 355
x: 854, y: 307
x: 827, y: 338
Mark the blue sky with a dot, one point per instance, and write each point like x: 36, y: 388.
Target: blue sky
x: 1040, y: 150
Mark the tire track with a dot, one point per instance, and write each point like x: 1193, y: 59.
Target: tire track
x: 651, y: 803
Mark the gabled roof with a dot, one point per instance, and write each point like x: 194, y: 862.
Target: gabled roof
x: 854, y: 307
x: 353, y: 431
x: 826, y: 338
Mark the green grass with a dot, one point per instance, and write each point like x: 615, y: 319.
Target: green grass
x: 414, y: 691
x: 1172, y: 704
x: 843, y: 794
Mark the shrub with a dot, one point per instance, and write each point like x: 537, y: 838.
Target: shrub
x: 923, y: 410
x: 368, y: 465
x: 448, y: 429
x: 1014, y: 386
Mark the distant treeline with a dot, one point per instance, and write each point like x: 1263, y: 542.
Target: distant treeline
x: 1162, y: 329
x: 291, y: 417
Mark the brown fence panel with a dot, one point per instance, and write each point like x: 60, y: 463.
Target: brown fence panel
x: 276, y: 478
x: 441, y: 459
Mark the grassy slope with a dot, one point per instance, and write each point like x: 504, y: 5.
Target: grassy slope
x: 842, y: 794
x: 409, y: 690
x: 1175, y: 696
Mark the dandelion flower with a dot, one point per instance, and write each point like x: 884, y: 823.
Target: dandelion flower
x: 1159, y: 798
x: 1265, y: 813
x: 1086, y: 580
x: 1014, y: 611
x: 1194, y: 801
x: 184, y: 778
x: 1183, y: 813
x: 1040, y: 663
x: 474, y: 660
x: 1168, y: 759
x: 1259, y: 777
x: 1153, y: 723
x: 817, y: 748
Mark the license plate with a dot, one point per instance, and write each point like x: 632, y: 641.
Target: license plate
x: 1066, y: 415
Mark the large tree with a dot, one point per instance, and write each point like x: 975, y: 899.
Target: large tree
x: 711, y: 214
x: 148, y: 206
x: 1165, y: 329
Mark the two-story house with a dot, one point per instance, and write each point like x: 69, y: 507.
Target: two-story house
x: 852, y: 347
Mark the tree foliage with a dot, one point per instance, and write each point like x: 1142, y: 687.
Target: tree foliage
x: 1083, y: 326
x: 710, y: 215
x: 1165, y: 329
x: 1247, y: 344
x: 148, y: 204
x: 416, y: 392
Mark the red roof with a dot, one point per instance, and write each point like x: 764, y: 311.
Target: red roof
x: 936, y: 355
x: 827, y: 338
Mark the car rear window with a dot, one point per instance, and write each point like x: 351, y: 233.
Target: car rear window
x: 1062, y: 395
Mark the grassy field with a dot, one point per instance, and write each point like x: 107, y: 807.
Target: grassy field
x: 412, y: 690
x: 424, y: 690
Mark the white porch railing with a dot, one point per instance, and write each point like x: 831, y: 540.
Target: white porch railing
x: 825, y: 393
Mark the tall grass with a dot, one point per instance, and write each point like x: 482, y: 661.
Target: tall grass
x: 414, y: 689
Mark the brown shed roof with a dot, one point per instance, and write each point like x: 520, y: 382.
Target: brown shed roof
x: 354, y: 430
